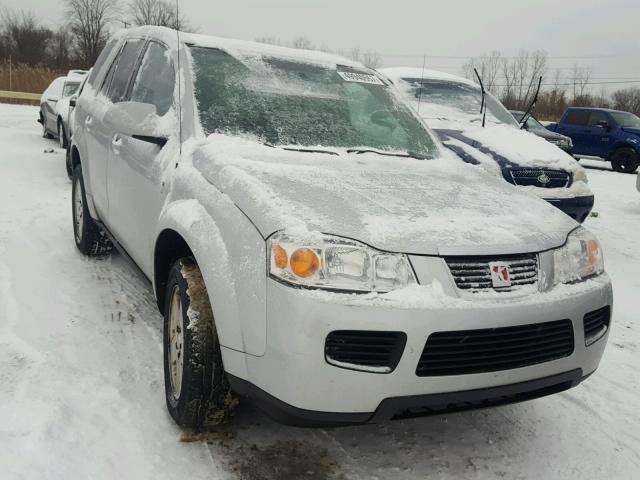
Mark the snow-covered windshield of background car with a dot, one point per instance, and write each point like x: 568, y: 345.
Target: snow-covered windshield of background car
x: 70, y: 88
x: 283, y: 102
x: 532, y: 122
x: 457, y: 102
x: 626, y: 120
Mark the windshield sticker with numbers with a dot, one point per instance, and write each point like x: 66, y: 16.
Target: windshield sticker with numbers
x: 360, y: 78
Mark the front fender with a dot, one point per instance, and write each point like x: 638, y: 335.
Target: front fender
x: 231, y: 255
x: 625, y: 140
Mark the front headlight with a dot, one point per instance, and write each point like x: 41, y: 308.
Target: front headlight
x: 336, y: 263
x: 580, y: 258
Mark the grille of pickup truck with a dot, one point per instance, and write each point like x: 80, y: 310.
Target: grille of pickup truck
x: 371, y: 351
x: 493, y: 349
x: 473, y: 273
x: 539, y: 177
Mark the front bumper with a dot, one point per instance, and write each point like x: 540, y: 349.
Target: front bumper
x: 294, y: 383
x: 577, y: 208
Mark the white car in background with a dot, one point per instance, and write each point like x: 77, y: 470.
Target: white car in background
x: 451, y: 106
x: 314, y: 247
x: 54, y: 105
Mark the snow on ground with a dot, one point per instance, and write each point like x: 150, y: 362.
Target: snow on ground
x: 81, y: 385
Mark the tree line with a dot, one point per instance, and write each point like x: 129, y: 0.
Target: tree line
x: 26, y: 39
x: 514, y: 81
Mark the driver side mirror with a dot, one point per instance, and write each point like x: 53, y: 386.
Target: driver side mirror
x: 137, y: 120
x: 603, y: 124
x: 72, y: 102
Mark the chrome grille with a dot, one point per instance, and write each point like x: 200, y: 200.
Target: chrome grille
x: 539, y: 177
x: 473, y: 273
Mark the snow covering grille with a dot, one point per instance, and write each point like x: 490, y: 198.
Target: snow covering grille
x: 473, y: 273
x: 377, y: 352
x: 596, y: 324
x: 539, y: 177
x: 493, y: 349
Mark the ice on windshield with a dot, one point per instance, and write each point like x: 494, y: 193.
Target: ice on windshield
x: 446, y: 100
x: 288, y: 103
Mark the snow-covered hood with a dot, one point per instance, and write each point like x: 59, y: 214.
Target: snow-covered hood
x: 508, y: 146
x: 431, y: 207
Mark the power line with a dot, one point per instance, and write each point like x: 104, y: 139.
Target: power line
x: 467, y: 57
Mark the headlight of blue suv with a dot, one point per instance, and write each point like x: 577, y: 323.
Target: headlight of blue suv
x: 336, y: 263
x: 580, y: 258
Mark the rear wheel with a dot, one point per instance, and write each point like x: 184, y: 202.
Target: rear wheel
x: 625, y: 160
x: 89, y: 237
x: 62, y: 135
x: 196, y: 387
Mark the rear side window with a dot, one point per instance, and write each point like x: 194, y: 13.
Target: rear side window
x: 100, y: 62
x: 596, y: 117
x: 577, y: 117
x: 155, y: 82
x: 124, y: 66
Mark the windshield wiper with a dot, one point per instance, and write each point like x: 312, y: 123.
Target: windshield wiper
x: 483, y: 105
x: 529, y: 112
x: 305, y: 150
x: 359, y: 151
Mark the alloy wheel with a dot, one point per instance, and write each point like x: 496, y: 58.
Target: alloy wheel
x: 176, y: 343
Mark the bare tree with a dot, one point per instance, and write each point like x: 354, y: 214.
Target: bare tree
x: 521, y: 74
x: 269, y: 40
x: 60, y: 49
x: 302, y: 43
x: 25, y: 39
x: 89, y: 21
x: 372, y: 59
x: 157, y: 12
x: 488, y: 66
x: 627, y: 99
x: 580, y: 77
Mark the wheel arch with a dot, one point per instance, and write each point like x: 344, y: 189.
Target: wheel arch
x: 623, y: 144
x: 187, y: 228
x: 170, y: 246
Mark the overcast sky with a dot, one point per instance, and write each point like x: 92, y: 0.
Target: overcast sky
x: 606, y: 32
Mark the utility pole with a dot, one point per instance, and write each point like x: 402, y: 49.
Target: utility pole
x: 10, y: 80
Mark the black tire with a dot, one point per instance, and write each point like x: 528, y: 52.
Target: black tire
x: 89, y: 237
x: 62, y: 135
x: 68, y: 163
x: 625, y: 160
x: 202, y: 394
x: 45, y: 132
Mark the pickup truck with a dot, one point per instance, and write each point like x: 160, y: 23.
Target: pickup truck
x: 608, y: 134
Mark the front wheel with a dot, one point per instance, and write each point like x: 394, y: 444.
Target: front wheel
x: 196, y: 387
x: 89, y: 237
x: 43, y: 120
x: 625, y: 160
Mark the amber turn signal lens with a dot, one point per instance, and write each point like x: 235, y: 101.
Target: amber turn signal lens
x: 280, y: 257
x: 304, y: 262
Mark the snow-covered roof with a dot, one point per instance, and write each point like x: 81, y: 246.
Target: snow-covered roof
x: 399, y: 73
x: 243, y: 47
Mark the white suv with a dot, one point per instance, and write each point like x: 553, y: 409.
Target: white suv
x: 312, y: 245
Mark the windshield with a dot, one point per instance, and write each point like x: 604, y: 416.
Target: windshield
x: 288, y: 103
x: 456, y: 101
x: 70, y: 88
x: 532, y: 122
x: 626, y: 120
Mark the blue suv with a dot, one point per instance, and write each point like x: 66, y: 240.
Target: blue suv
x: 598, y: 132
